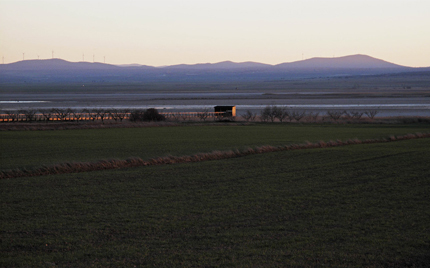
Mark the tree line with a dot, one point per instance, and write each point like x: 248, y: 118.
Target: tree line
x: 60, y: 114
x: 268, y: 114
x: 281, y: 114
x: 99, y: 114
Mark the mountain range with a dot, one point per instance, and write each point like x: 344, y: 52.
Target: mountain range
x: 58, y: 70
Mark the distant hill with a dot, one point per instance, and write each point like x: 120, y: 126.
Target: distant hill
x: 57, y: 70
x: 347, y: 62
x: 55, y: 64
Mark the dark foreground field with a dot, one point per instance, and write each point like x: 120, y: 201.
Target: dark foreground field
x: 352, y: 206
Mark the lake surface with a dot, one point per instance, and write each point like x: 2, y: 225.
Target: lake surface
x: 386, y: 104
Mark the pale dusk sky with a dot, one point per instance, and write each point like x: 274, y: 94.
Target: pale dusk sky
x: 167, y: 32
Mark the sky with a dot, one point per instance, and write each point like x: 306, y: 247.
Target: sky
x: 168, y: 32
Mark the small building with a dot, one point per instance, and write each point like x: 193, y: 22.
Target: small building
x: 225, y: 112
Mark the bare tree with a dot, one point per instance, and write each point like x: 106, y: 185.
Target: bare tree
x: 60, y: 114
x: 136, y: 115
x: 264, y: 116
x: 281, y: 113
x: 335, y: 115
x: 29, y: 114
x: 203, y: 115
x: 184, y: 116
x: 269, y: 112
x: 92, y: 116
x: 176, y: 116
x: 100, y: 113
x: 290, y: 116
x: 371, y: 113
x: 298, y: 115
x: 123, y: 114
x: 70, y: 114
x: 76, y: 114
x: 12, y: 115
x: 118, y: 114
x: 357, y: 114
x: 47, y: 114
x: 249, y: 116
x: 114, y: 113
x: 313, y: 116
x: 347, y: 114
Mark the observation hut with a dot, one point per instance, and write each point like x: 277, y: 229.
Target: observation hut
x: 225, y: 112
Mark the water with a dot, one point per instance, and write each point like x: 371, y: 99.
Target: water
x: 197, y: 101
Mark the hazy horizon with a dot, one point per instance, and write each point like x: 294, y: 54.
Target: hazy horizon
x: 170, y: 32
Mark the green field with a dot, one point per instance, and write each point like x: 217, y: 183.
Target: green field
x: 352, y: 206
x: 29, y: 149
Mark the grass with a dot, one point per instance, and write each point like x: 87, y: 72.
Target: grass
x: 76, y: 167
x: 30, y: 149
x: 354, y: 206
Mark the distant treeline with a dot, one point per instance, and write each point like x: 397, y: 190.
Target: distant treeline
x: 268, y: 114
x: 98, y: 114
x: 281, y: 114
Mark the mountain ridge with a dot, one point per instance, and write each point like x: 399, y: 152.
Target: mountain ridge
x: 58, y: 70
x: 357, y: 61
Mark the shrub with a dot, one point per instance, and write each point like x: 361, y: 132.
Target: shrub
x: 152, y: 115
x: 146, y: 115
